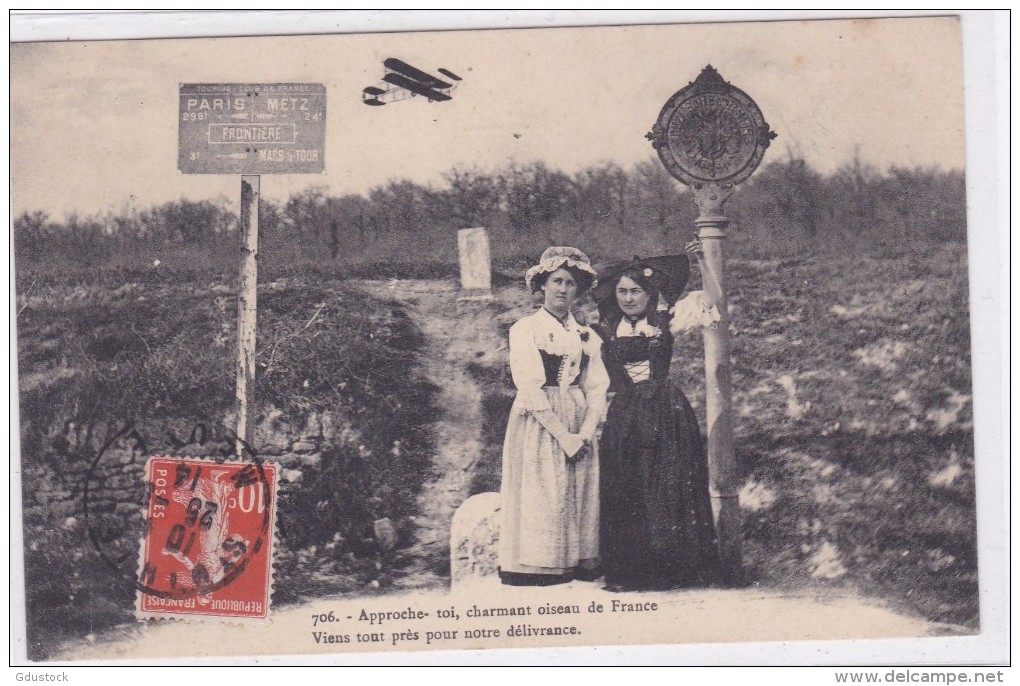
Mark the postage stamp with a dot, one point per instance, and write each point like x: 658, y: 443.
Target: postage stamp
x: 208, y: 543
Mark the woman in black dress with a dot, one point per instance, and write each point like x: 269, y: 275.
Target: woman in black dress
x: 657, y: 528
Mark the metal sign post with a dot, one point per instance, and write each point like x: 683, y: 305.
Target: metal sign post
x: 723, y: 476
x: 250, y: 129
x: 711, y: 136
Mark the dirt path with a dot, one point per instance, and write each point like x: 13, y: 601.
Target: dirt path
x: 457, y: 334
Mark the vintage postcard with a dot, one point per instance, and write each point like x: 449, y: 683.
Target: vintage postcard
x: 506, y: 341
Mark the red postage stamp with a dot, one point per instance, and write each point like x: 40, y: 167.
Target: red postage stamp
x: 208, y: 545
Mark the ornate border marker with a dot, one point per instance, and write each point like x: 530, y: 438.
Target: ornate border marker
x: 711, y: 136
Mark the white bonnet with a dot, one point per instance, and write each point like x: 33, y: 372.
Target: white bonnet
x: 556, y: 257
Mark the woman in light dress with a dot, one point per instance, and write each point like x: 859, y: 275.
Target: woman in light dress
x: 550, y: 481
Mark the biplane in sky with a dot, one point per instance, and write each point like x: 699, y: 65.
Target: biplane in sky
x: 402, y: 81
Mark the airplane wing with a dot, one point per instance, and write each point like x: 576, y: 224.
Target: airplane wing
x: 404, y: 69
x: 415, y: 87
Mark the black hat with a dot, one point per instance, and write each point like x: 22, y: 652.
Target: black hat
x: 666, y: 274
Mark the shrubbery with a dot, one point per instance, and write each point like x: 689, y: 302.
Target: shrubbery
x: 161, y: 357
x: 407, y: 230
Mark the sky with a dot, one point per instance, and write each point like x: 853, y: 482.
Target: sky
x: 94, y: 123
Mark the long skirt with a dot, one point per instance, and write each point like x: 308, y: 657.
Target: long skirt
x: 550, y: 507
x: 657, y: 525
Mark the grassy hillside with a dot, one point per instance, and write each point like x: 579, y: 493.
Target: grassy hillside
x: 340, y: 402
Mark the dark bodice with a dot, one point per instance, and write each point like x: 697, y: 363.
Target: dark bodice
x: 618, y: 351
x: 554, y: 363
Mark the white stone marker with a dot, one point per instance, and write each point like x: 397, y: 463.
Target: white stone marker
x: 474, y: 541
x: 475, y: 263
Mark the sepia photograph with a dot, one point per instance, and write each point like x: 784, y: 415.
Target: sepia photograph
x: 643, y: 331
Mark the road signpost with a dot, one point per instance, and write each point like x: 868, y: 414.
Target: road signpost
x: 250, y: 129
x: 710, y: 136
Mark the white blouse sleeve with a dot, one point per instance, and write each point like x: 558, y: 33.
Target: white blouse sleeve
x: 527, y: 369
x: 595, y: 384
x: 693, y: 311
